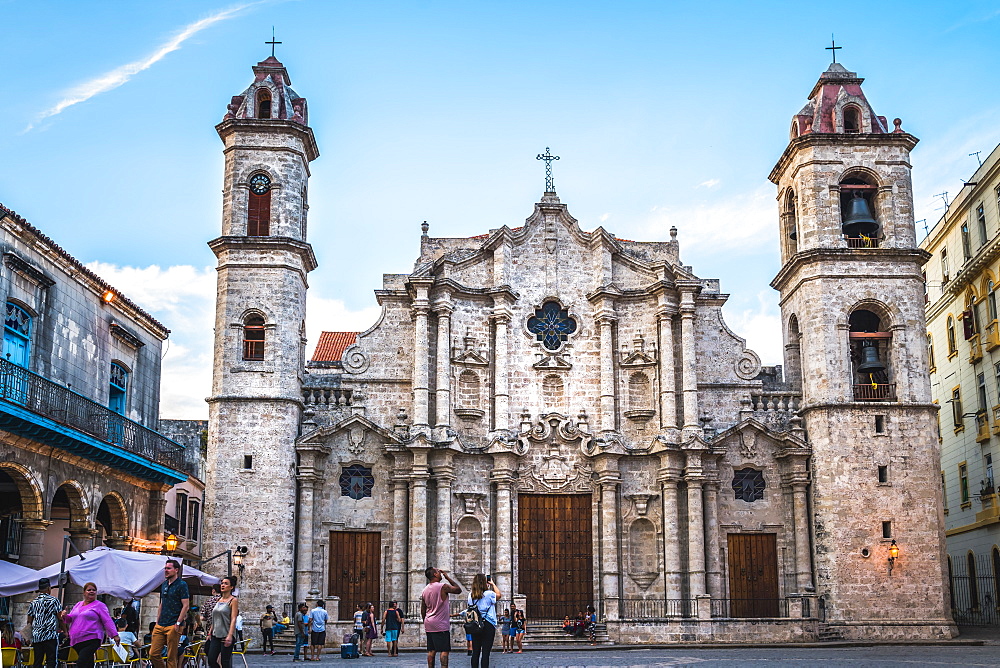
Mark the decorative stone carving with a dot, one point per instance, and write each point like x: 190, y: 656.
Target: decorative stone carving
x: 471, y: 501
x: 550, y: 427
x: 748, y: 365
x: 641, y: 502
x: 356, y: 439
x: 354, y: 360
x: 748, y: 444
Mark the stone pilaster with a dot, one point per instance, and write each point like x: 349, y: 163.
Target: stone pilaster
x: 713, y: 559
x: 800, y: 512
x: 668, y: 378
x: 695, y: 478
x: 443, y: 309
x: 501, y: 392
x: 400, y: 530
x: 689, y: 360
x: 157, y: 513
x: 417, y: 534
x: 608, y: 482
x: 668, y: 478
x: 310, y: 477
x: 605, y: 321
x: 444, y: 476
x: 421, y: 373
x: 504, y: 467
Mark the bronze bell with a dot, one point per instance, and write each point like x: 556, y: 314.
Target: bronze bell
x: 870, y: 363
x: 859, y: 221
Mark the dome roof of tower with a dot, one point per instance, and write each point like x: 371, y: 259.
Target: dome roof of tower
x: 271, y: 85
x: 836, y: 89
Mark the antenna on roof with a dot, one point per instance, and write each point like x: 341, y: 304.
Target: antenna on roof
x: 944, y: 196
x: 977, y: 157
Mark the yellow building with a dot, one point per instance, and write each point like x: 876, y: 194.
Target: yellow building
x: 963, y: 341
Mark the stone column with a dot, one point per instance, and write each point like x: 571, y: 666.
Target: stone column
x: 713, y: 560
x: 605, y: 323
x: 400, y: 512
x: 504, y: 466
x: 33, y: 543
x: 694, y: 478
x: 668, y: 389
x: 668, y: 478
x: 689, y: 359
x: 417, y: 538
x: 803, y: 569
x: 421, y: 357
x: 442, y: 402
x: 309, y: 478
x: 157, y: 513
x: 501, y: 383
x: 444, y: 475
x: 608, y: 480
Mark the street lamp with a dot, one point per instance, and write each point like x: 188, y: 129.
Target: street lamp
x: 170, y: 543
x: 239, y: 553
x: 893, y: 554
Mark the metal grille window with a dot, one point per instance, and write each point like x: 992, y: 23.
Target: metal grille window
x: 253, y: 338
x: 749, y: 485
x: 356, y: 482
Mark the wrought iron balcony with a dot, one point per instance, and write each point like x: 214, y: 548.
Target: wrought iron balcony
x: 863, y: 242
x: 28, y: 393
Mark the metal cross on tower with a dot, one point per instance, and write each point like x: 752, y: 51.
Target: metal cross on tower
x: 548, y: 158
x: 272, y: 42
x: 833, y: 47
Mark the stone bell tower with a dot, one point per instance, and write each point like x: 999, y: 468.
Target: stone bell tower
x: 256, y: 404
x: 853, y: 317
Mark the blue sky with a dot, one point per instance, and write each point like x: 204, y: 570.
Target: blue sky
x: 663, y: 113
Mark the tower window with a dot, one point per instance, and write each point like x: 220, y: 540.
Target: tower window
x: 870, y: 346
x: 247, y: 461
x: 930, y: 352
x: 883, y: 474
x: 857, y: 197
x: 886, y: 530
x: 263, y: 103
x: 852, y: 119
x: 253, y: 338
x: 259, y: 206
x: 879, y: 424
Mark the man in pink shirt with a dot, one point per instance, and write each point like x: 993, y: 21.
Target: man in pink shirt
x: 436, y: 612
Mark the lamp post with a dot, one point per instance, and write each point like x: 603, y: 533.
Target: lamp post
x: 170, y: 543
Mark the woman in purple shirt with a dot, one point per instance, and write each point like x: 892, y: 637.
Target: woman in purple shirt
x: 89, y: 622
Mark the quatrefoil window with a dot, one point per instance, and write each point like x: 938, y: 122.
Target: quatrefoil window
x: 551, y: 325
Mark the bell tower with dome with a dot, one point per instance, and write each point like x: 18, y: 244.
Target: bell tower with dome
x: 853, y: 316
x: 263, y: 262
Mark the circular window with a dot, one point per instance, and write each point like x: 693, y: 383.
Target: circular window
x: 260, y: 184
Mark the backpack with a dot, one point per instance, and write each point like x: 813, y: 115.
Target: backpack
x: 473, y: 620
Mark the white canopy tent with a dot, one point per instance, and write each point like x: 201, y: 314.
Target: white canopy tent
x: 11, y: 572
x: 115, y: 572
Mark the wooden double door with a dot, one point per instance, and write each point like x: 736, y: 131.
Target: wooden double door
x: 555, y: 554
x: 753, y: 575
x: 355, y: 569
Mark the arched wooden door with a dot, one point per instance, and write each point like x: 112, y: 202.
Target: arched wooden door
x: 355, y: 558
x: 555, y: 554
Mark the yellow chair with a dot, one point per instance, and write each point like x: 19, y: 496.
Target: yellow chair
x: 71, y: 658
x: 194, y: 655
x: 240, y: 650
x: 8, y: 657
x: 27, y: 657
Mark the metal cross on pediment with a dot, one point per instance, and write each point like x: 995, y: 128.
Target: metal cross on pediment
x: 833, y: 48
x: 272, y: 42
x: 548, y: 158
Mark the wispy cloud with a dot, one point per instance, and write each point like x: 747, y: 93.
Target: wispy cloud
x: 711, y: 183
x: 121, y: 75
x: 980, y: 18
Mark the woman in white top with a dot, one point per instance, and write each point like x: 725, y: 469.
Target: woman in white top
x: 484, y: 596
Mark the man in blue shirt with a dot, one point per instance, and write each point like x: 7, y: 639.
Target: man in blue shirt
x: 171, y: 615
x: 302, y: 624
x: 317, y: 638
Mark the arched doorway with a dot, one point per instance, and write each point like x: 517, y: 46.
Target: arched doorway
x: 112, y: 522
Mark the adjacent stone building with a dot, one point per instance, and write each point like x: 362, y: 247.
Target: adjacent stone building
x: 79, y: 403
x: 963, y: 342
x: 568, y: 410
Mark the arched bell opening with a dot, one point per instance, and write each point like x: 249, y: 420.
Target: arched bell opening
x: 263, y: 103
x: 871, y: 348
x: 790, y: 223
x: 857, y: 211
x: 852, y: 119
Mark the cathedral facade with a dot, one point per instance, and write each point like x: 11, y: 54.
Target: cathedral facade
x: 569, y: 412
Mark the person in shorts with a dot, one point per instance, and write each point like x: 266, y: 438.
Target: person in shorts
x: 392, y: 626
x: 317, y: 630
x: 435, y: 611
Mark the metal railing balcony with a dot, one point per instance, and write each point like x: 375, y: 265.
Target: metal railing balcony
x: 58, y: 403
x: 863, y: 242
x: 875, y: 392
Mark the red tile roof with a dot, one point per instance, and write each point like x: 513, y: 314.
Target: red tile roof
x: 332, y: 345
